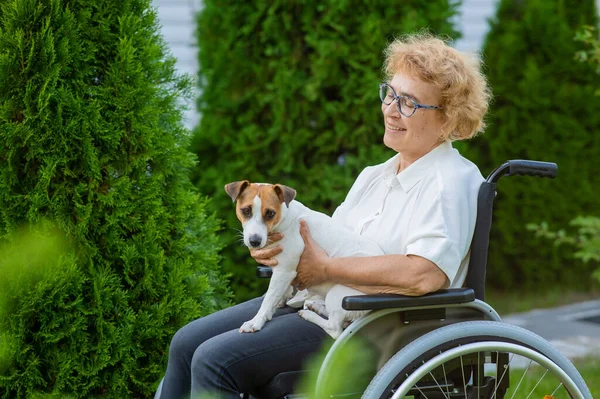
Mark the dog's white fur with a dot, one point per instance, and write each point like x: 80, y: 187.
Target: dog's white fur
x: 324, y: 299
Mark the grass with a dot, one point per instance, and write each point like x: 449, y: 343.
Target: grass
x: 518, y: 301
x: 589, y: 369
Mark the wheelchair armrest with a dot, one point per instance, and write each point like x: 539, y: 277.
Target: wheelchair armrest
x: 385, y: 301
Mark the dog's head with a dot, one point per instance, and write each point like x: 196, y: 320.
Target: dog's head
x: 260, y: 208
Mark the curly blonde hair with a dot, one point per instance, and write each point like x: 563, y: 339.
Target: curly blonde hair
x: 465, y: 92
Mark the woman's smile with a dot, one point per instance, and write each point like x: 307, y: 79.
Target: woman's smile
x: 394, y: 128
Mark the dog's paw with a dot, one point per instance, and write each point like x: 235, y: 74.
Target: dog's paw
x: 306, y: 314
x: 316, y: 306
x: 253, y: 325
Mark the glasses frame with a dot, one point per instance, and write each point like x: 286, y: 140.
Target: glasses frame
x: 397, y: 98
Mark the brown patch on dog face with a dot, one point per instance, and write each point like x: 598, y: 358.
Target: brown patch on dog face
x: 270, y: 212
x: 270, y: 206
x: 245, y: 203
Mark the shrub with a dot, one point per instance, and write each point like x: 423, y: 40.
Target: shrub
x: 289, y: 95
x: 544, y: 109
x: 586, y: 239
x: 91, y: 137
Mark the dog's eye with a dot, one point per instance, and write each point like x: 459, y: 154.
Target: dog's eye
x: 269, y: 214
x: 247, y: 212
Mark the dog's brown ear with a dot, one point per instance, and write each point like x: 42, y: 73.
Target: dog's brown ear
x: 286, y: 194
x: 235, y: 188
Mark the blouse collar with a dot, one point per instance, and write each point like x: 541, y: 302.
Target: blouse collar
x: 410, y: 176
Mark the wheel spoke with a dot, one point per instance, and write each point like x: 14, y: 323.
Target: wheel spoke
x: 436, y: 383
x: 462, y: 368
x: 422, y: 393
x: 506, y: 368
x: 496, y: 382
x: 557, y: 388
x: 538, y: 383
x: 521, y: 380
x: 479, y: 379
x: 445, y: 379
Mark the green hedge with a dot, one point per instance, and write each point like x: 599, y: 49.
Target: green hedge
x: 91, y: 138
x: 289, y: 95
x: 544, y: 109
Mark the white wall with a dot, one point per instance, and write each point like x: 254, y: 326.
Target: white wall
x: 177, y: 18
x: 473, y: 23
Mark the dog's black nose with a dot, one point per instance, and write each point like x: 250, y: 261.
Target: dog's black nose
x: 255, y: 241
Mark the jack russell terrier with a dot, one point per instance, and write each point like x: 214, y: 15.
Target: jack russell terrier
x: 265, y: 208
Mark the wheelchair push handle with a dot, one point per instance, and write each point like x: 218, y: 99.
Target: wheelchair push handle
x: 525, y: 168
x: 532, y: 168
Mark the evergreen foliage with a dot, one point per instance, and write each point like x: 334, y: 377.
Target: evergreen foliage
x: 91, y: 137
x: 586, y: 237
x: 289, y: 95
x: 544, y: 109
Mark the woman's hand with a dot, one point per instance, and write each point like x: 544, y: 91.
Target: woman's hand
x: 265, y: 255
x: 312, y: 267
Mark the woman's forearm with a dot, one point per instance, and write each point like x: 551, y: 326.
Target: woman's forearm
x: 397, y: 274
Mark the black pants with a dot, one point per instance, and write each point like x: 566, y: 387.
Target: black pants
x: 210, y: 355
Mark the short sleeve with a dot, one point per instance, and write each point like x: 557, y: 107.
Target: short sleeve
x: 439, y: 228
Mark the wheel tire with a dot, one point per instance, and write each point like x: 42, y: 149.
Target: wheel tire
x: 444, y: 338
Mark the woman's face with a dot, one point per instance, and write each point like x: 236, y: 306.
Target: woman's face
x: 415, y: 136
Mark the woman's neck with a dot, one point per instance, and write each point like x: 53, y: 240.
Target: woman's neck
x: 407, y: 159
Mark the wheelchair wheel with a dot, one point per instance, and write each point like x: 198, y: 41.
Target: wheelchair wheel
x: 478, y: 359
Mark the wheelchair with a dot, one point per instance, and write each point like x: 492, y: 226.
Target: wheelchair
x: 451, y: 344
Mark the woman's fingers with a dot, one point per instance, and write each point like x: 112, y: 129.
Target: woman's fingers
x: 264, y: 256
x: 268, y: 262
x: 266, y: 253
x: 312, y: 264
x: 305, y: 232
x: 274, y: 237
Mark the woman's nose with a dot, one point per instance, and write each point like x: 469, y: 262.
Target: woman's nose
x: 391, y: 109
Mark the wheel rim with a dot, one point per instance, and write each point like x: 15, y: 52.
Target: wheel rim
x: 565, y: 387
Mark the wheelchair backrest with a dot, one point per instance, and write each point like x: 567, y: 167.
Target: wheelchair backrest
x: 481, y: 237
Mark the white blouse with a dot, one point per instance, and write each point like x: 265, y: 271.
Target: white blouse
x: 428, y: 209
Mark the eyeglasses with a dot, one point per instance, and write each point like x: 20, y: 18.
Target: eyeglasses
x: 406, y: 105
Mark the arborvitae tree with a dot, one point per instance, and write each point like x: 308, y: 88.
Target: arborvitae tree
x: 289, y: 95
x: 544, y: 109
x: 91, y: 137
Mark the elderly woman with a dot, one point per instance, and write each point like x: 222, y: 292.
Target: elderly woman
x: 419, y: 206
